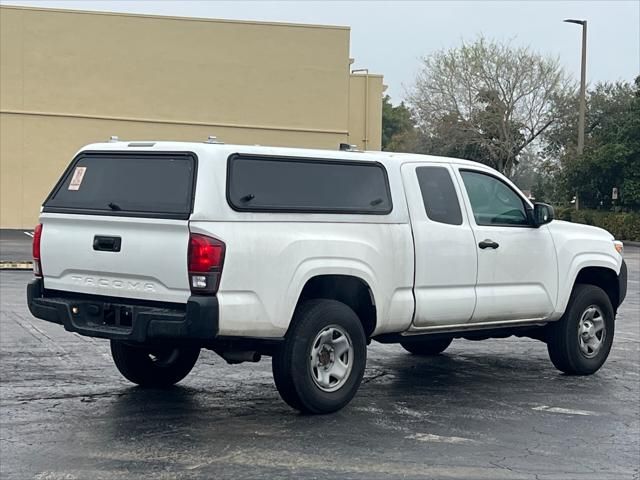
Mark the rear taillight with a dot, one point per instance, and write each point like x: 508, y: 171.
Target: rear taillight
x: 37, y: 263
x: 205, y: 260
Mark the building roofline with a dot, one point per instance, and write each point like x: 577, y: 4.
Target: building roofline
x: 365, y: 75
x: 174, y: 17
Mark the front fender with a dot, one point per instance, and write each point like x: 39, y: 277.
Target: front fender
x: 579, y: 262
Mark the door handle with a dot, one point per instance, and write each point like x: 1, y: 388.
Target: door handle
x: 488, y: 244
x: 106, y: 244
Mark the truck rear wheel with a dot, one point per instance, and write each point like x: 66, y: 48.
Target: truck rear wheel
x: 579, y: 343
x: 153, y: 366
x: 426, y: 346
x: 320, y: 366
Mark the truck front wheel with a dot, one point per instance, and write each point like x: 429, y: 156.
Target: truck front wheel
x: 579, y: 343
x: 320, y: 366
x: 153, y: 366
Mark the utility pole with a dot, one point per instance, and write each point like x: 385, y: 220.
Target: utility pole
x: 583, y: 89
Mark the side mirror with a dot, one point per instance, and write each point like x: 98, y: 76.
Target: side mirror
x: 542, y: 214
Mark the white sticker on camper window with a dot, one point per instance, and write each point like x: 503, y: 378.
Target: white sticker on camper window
x: 76, y: 180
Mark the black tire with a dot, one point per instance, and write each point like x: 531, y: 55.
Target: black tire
x: 563, y: 338
x: 292, y: 369
x: 427, y: 346
x: 153, y: 366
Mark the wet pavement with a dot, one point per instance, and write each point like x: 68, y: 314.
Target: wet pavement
x: 15, y: 245
x: 495, y: 409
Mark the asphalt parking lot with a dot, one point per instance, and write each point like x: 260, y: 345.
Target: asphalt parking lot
x: 494, y: 409
x: 15, y: 245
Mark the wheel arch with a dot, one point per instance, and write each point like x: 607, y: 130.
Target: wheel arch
x: 590, y: 267
x: 603, y: 277
x: 352, y: 290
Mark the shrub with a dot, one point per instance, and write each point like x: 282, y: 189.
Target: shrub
x: 564, y: 214
x: 623, y: 226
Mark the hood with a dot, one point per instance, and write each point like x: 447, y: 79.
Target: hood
x: 576, y: 239
x: 579, y: 230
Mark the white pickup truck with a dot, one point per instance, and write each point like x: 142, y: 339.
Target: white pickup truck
x: 308, y: 255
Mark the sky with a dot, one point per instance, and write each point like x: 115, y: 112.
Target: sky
x: 391, y: 37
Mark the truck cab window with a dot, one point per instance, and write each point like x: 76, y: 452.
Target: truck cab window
x: 493, y: 202
x: 439, y: 195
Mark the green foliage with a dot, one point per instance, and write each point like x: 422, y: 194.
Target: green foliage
x: 564, y: 214
x: 623, y: 226
x: 517, y: 111
x: 612, y: 148
x: 538, y: 175
x: 398, y: 127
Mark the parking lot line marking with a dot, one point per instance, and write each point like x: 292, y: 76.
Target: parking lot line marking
x: 30, y: 234
x: 429, y: 437
x: 566, y: 411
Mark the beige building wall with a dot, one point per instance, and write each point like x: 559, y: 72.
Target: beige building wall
x: 70, y: 78
x: 365, y: 111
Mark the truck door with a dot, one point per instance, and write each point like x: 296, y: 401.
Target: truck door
x: 445, y: 248
x: 517, y: 264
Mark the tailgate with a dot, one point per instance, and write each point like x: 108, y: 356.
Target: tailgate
x: 151, y: 263
x: 117, y: 225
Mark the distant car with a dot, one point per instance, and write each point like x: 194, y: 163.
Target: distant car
x: 308, y: 255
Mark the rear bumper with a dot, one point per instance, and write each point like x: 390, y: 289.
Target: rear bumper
x: 125, y: 319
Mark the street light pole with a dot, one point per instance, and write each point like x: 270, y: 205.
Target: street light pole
x: 583, y: 83
x: 583, y: 88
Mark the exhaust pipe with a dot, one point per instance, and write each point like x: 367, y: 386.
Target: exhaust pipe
x: 234, y: 357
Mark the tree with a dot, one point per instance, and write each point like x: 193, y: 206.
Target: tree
x: 487, y: 101
x: 398, y: 127
x: 611, y: 156
x: 539, y: 175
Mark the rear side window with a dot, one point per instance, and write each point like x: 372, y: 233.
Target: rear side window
x: 144, y: 185
x: 439, y: 195
x: 282, y: 184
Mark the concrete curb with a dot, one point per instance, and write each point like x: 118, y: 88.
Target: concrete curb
x: 16, y: 265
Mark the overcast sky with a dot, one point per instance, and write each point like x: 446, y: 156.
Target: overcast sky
x: 390, y: 37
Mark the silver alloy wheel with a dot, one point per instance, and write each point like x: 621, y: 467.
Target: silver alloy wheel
x: 331, y: 358
x: 591, y: 331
